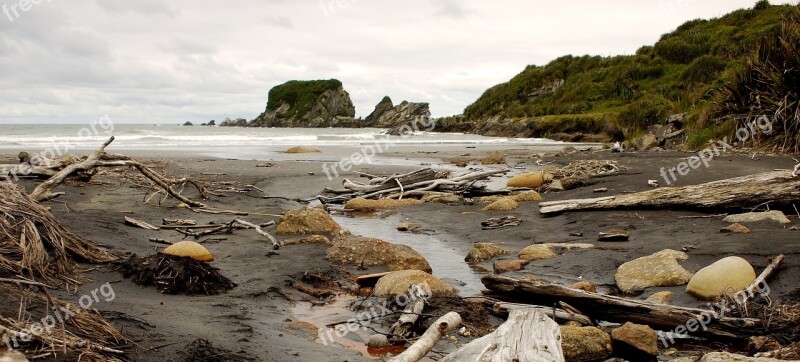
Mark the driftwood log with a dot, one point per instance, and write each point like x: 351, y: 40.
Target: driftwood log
x: 557, y: 314
x: 401, y: 330
x: 100, y: 158
x: 616, y: 309
x: 446, y: 324
x: 527, y: 336
x: 778, y: 187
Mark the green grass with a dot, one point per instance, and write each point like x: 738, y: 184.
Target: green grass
x: 683, y: 72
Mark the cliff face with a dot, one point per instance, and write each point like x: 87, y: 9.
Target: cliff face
x: 388, y: 116
x: 319, y: 103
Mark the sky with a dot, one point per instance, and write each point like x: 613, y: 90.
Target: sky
x: 171, y: 61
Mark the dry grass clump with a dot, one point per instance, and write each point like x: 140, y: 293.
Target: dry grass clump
x: 176, y: 275
x: 84, y: 336
x: 34, y: 245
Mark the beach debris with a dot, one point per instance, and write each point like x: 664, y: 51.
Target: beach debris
x: 441, y: 327
x: 449, y: 199
x: 503, y: 204
x: 524, y: 196
x: 178, y: 222
x: 367, y: 252
x: 556, y: 186
x: 776, y: 187
x: 139, y: 224
x: 529, y: 335
x: 639, y: 337
x: 732, y: 357
x: 401, y: 330
x: 307, y: 221
x: 366, y: 205
x: 750, y: 217
x: 481, y: 252
x: 585, y: 286
x: 202, y: 350
x: 614, y: 235
x: 657, y: 270
x: 736, y: 229
x: 653, y: 183
x: 303, y: 149
x: 585, y: 343
x: 660, y: 297
x: 175, y: 274
x: 226, y: 228
x: 34, y: 244
x: 190, y: 249
x: 81, y: 334
x: 617, y: 147
x: 369, y: 280
x: 618, y: 309
x: 600, y: 190
x: 265, y: 165
x: 502, y: 222
x: 506, y: 266
x: 728, y: 275
x: 320, y: 284
x: 12, y: 356
x: 415, y: 184
x: 398, y: 282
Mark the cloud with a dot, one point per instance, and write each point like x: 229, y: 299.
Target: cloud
x: 450, y: 9
x: 278, y: 21
x: 142, y: 7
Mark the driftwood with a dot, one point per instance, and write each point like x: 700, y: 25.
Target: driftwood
x: 414, y: 184
x: 401, y: 330
x: 100, y: 158
x: 778, y: 187
x: 557, y: 314
x: 275, y: 243
x: 139, y: 224
x: 766, y: 274
x: 446, y: 324
x: 528, y: 335
x: 616, y: 309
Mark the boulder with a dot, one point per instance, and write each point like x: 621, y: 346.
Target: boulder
x: 308, y: 221
x: 401, y: 119
x: 736, y: 229
x: 303, y: 149
x: 775, y: 215
x: 484, y: 251
x: 531, y: 180
x: 660, y: 298
x: 639, y: 337
x: 646, y: 142
x: 444, y: 199
x: 729, y: 275
x: 496, y: 158
x: 527, y: 196
x: 384, y: 106
x: 658, y: 270
x: 506, y: 266
x: 503, y: 204
x: 367, y: 205
x: 187, y: 124
x: 730, y: 357
x: 585, y: 286
x: 397, y: 283
x: 378, y: 341
x: 190, y: 249
x: 367, y: 252
x: 537, y: 252
x: 585, y: 343
x: 409, y: 227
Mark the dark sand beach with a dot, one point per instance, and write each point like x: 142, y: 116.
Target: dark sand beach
x: 257, y: 319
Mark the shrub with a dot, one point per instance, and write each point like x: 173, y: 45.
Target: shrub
x: 678, y: 50
x: 647, y: 111
x: 704, y: 69
x: 762, y: 5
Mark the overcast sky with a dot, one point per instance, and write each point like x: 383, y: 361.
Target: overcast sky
x: 153, y: 61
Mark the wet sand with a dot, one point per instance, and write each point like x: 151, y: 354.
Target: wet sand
x: 257, y: 319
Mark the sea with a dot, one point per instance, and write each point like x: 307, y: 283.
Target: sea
x: 236, y: 142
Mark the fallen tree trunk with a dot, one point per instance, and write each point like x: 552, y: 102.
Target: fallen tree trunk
x: 778, y: 187
x: 554, y: 313
x: 424, y: 344
x: 615, y: 309
x: 401, y: 330
x: 527, y: 336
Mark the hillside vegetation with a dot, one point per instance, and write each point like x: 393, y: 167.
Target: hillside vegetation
x: 301, y: 96
x: 691, y: 69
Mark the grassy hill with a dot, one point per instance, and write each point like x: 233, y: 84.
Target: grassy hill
x: 687, y: 70
x: 300, y: 95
